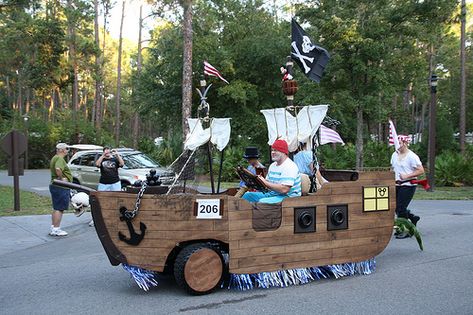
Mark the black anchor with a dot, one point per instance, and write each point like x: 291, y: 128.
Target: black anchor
x: 135, y: 238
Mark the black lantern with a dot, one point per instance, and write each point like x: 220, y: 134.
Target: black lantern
x: 433, y: 83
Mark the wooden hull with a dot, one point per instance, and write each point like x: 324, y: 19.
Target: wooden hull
x: 171, y: 223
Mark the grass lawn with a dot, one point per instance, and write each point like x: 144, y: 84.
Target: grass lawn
x: 223, y: 185
x: 445, y: 193
x: 30, y: 203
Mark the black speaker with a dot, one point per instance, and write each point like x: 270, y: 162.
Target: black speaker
x: 337, y: 217
x: 304, y: 220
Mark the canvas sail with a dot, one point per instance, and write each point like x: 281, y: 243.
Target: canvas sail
x: 294, y: 129
x: 218, y: 133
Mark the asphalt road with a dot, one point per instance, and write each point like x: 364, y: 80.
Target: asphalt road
x: 33, y: 180
x: 73, y: 276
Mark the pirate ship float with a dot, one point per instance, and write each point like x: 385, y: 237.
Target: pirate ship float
x: 205, y: 239
x: 209, y: 240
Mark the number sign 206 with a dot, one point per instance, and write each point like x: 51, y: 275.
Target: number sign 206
x: 208, y: 209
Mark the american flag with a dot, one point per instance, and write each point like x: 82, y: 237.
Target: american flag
x: 393, y: 140
x: 328, y: 135
x: 394, y: 137
x: 211, y: 70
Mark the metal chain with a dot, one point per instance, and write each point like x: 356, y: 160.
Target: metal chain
x: 129, y: 215
x: 315, y: 162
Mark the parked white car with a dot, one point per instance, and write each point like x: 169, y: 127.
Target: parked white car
x: 137, y: 166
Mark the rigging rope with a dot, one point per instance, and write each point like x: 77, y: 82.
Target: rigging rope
x: 178, y: 176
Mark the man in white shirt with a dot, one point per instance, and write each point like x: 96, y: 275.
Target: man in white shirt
x: 406, y: 166
x: 283, y: 178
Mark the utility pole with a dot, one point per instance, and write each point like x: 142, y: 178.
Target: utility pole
x: 463, y: 79
x: 119, y: 80
x: 432, y: 126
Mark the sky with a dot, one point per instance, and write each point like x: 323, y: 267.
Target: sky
x: 132, y: 17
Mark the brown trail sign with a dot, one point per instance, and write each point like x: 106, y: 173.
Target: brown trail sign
x: 14, y: 144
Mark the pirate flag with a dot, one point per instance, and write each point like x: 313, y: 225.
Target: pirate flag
x: 311, y: 58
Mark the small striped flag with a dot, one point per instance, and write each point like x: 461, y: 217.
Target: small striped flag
x: 394, y: 138
x: 212, y: 71
x: 328, y: 135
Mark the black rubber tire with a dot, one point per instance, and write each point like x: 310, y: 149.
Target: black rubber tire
x: 180, y: 264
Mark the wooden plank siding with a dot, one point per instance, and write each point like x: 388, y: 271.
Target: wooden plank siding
x: 170, y: 220
x: 367, y: 235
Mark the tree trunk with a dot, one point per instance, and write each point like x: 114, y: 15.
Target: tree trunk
x: 51, y: 105
x: 409, y: 102
x: 359, y: 137
x: 187, y: 66
x: 119, y: 80
x: 103, y: 104
x: 136, y: 129
x: 463, y: 79
x: 380, y: 123
x: 414, y: 114
x: 96, y: 109
x: 9, y: 91
x: 136, y: 117
x: 58, y: 98
x: 73, y: 60
x: 19, y: 97
x: 380, y: 132
x: 394, y: 108
x: 28, y: 100
x: 429, y: 104
x: 422, y: 121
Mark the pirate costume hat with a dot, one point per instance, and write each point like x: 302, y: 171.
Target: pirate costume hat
x: 251, y: 153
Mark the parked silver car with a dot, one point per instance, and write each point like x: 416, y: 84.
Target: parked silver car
x: 137, y: 166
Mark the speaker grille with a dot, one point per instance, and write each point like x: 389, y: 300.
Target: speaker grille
x: 304, y: 220
x: 337, y: 217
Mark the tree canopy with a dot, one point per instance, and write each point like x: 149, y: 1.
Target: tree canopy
x: 382, y: 54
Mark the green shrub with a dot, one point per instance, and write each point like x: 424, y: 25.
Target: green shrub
x: 340, y: 157
x: 377, y: 154
x: 233, y: 156
x: 166, y: 153
x: 453, y: 169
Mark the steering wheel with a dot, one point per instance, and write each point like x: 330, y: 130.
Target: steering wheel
x: 251, y: 180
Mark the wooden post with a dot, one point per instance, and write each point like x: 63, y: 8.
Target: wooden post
x: 289, y: 64
x: 432, y: 135
x: 209, y: 152
x: 220, y: 171
x: 16, y: 171
x: 462, y: 78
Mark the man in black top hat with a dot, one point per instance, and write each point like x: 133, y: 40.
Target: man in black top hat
x: 255, y: 167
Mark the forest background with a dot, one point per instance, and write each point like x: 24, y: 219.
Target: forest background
x: 64, y: 78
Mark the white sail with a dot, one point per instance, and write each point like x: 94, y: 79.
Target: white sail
x: 218, y: 133
x: 282, y: 124
x: 197, y: 135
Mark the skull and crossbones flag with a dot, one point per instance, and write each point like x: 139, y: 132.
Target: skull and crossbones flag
x: 311, y: 58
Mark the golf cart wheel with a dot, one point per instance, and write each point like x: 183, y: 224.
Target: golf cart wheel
x: 199, y: 268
